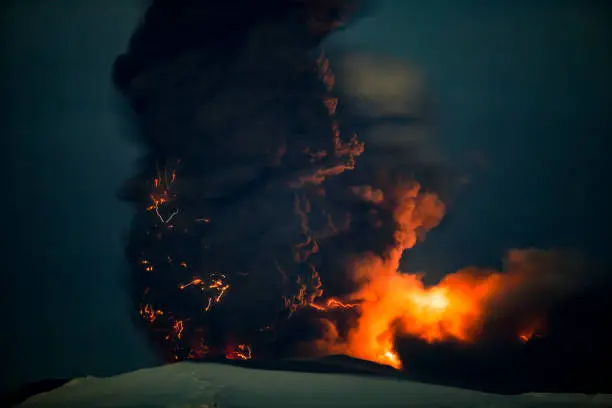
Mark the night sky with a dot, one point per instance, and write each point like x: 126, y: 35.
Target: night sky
x: 520, y: 94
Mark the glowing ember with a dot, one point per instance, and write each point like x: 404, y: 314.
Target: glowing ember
x: 527, y: 334
x: 240, y: 352
x: 215, y: 288
x: 149, y: 314
x: 161, y: 195
x: 177, y: 330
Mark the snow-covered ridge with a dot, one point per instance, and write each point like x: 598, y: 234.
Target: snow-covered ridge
x: 210, y: 385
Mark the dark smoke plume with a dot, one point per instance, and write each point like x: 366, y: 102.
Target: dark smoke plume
x: 234, y: 102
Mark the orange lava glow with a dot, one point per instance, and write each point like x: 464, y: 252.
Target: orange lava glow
x: 400, y: 303
x: 391, y: 302
x: 529, y: 333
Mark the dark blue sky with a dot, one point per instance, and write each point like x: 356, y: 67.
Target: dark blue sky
x: 524, y: 87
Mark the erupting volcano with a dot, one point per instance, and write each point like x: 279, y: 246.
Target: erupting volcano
x: 265, y: 227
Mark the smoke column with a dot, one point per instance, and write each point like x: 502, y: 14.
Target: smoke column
x: 275, y: 200
x: 236, y: 107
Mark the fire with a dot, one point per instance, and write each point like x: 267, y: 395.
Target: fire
x: 400, y: 303
x: 392, y: 359
x: 392, y: 303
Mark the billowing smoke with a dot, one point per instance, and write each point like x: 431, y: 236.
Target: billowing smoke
x: 277, y: 195
x: 236, y: 107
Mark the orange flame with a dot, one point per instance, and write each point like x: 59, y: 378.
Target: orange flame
x: 391, y: 302
x: 400, y: 303
x: 390, y: 358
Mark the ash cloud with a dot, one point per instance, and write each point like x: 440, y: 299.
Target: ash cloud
x: 387, y: 101
x: 231, y: 101
x: 255, y: 202
x: 250, y: 138
x: 532, y: 283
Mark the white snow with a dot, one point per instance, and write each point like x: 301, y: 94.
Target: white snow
x: 207, y: 385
